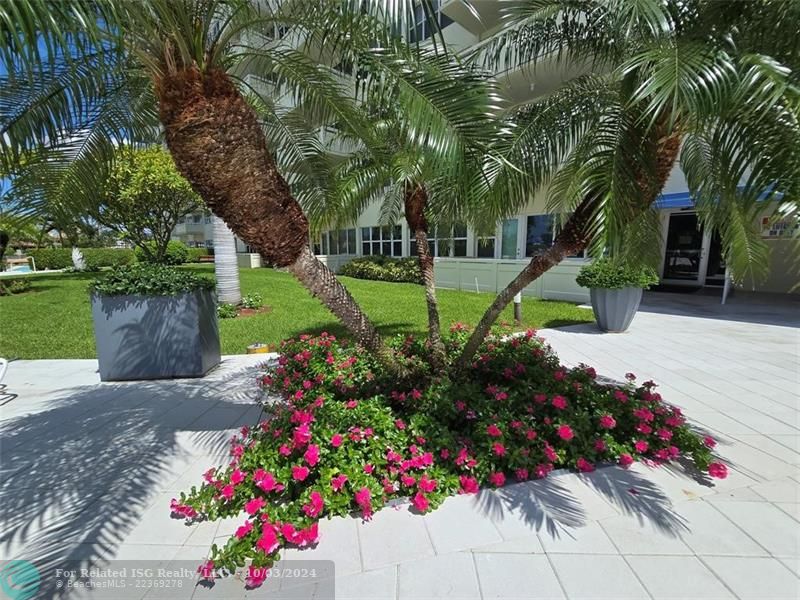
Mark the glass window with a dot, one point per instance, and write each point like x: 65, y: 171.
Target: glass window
x: 365, y: 231
x: 485, y: 247
x: 196, y: 218
x: 539, y: 233
x: 351, y: 241
x: 446, y: 242
x: 421, y: 29
x: 385, y: 240
x: 325, y: 243
x: 366, y: 249
x: 208, y: 219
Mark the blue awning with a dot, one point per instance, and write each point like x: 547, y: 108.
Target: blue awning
x: 676, y: 200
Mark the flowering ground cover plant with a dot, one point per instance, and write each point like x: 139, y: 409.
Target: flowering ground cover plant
x: 347, y: 437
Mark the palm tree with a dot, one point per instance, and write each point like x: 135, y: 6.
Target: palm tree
x: 713, y: 86
x: 226, y: 266
x: 86, y: 76
x: 410, y: 177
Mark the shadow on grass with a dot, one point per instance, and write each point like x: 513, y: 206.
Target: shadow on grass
x: 81, y: 467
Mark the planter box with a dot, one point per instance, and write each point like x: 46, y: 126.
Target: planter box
x: 156, y: 337
x: 614, y: 309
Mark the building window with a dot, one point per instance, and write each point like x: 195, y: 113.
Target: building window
x: 208, y: 219
x: 485, y: 247
x: 442, y: 244
x: 539, y: 235
x: 209, y: 243
x: 339, y: 241
x: 386, y: 240
x: 421, y: 29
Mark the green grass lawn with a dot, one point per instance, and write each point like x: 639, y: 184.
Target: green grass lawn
x: 53, y: 320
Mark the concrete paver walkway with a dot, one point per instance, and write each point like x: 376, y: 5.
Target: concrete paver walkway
x: 88, y: 470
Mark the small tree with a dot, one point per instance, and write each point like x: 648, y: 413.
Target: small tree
x: 144, y: 198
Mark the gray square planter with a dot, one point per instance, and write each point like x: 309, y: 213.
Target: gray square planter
x: 156, y: 337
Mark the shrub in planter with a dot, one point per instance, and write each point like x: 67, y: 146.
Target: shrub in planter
x: 177, y: 253
x: 615, y: 289
x: 347, y: 437
x: 384, y: 268
x: 154, y: 322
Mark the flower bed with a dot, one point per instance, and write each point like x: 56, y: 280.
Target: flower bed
x: 348, y: 438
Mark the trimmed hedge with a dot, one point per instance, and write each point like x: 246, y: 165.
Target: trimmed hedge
x: 61, y: 258
x: 384, y: 268
x: 194, y: 254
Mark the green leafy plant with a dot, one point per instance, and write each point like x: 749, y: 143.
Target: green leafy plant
x: 384, y: 268
x: 227, y: 311
x: 612, y: 274
x: 254, y: 300
x: 150, y: 280
x: 14, y: 286
x: 175, y: 253
x: 195, y: 254
x: 349, y: 437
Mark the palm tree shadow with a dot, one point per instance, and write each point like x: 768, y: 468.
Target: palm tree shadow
x: 77, y: 476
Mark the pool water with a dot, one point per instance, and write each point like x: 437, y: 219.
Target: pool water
x: 19, y: 269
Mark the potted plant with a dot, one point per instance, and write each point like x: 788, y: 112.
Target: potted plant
x: 154, y: 322
x: 615, y: 288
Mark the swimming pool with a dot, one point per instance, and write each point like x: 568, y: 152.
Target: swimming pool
x: 19, y: 269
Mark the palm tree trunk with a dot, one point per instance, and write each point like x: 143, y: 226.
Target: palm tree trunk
x: 226, y: 267
x: 217, y: 143
x: 416, y: 200
x: 571, y: 240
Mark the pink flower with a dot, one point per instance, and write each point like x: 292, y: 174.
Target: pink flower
x: 299, y: 473
x: 284, y: 450
x: 664, y: 434
x: 407, y: 480
x: 718, y: 470
x: 607, y: 422
x: 584, y: 466
x: 644, y: 428
x: 542, y: 470
x: 625, y: 460
x: 256, y: 576
x: 244, y: 529
x: 351, y: 403
x: 497, y: 479
x: 266, y: 481
x: 641, y: 446
x: 338, y: 482
x: 251, y: 507
x: 539, y: 398
x: 630, y: 376
x: 227, y: 492
x: 550, y: 453
x: 469, y: 485
x: 620, y: 396
x: 302, y: 435
x: 368, y: 469
x: 364, y: 500
x: 565, y: 432
x: 336, y: 440
x: 416, y: 394
x: 268, y: 542
x: 420, y: 502
x: 315, y: 506
x: 206, y: 570
x: 237, y: 477
x: 559, y: 402
x: 643, y: 414
x: 426, y: 485
x: 709, y: 442
x: 312, y: 455
x: 600, y: 445
x: 493, y: 430
x: 499, y: 449
x: 559, y: 375
x: 399, y: 424
x: 310, y: 535
x: 521, y: 474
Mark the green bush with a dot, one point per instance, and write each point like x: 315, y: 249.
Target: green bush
x: 150, y: 280
x: 609, y: 274
x: 95, y: 258
x: 14, y: 286
x: 227, y: 311
x: 254, y: 300
x: 193, y: 254
x: 384, y: 268
x: 177, y: 253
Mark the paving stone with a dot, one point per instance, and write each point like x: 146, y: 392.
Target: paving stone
x: 691, y: 579
x: 634, y: 536
x: 781, y: 490
x: 755, y: 578
x: 589, y: 577
x: 526, y: 545
x: 589, y: 539
x: 766, y: 524
x: 460, y: 524
x: 447, y: 576
x: 709, y: 532
x: 380, y: 584
x: 393, y: 536
x: 516, y: 576
x: 790, y: 508
x: 793, y: 564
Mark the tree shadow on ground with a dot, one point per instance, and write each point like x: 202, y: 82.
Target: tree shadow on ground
x: 80, y: 468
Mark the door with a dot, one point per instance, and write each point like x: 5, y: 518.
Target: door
x: 684, y: 262
x: 508, y: 246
